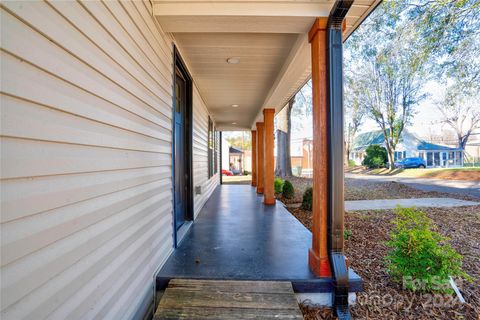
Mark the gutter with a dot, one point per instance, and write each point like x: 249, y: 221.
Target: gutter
x: 335, y: 162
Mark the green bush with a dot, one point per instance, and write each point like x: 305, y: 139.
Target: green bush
x: 375, y: 157
x: 288, y: 191
x: 347, y: 233
x: 351, y: 163
x: 278, y: 185
x: 419, y: 256
x: 307, y: 199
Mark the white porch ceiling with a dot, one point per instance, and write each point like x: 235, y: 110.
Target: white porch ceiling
x: 222, y: 84
x: 269, y: 38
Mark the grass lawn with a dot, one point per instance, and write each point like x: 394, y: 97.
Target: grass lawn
x: 470, y: 174
x: 237, y: 179
x: 382, y: 298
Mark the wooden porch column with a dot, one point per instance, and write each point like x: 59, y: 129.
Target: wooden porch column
x: 318, y: 254
x: 269, y: 194
x: 254, y: 158
x: 260, y: 158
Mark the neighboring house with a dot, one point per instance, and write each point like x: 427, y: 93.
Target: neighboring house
x: 239, y: 160
x: 236, y: 158
x: 301, y: 157
x: 111, y: 112
x: 410, y: 145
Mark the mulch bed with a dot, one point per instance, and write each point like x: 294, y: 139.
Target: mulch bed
x: 299, y: 185
x: 384, y: 299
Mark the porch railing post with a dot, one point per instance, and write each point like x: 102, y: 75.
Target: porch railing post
x: 268, y: 195
x: 318, y: 253
x: 254, y: 158
x: 260, y: 158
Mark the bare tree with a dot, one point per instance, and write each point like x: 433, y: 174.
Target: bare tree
x: 300, y: 107
x: 389, y: 89
x: 284, y: 161
x: 387, y: 74
x: 460, y: 110
x: 354, y: 114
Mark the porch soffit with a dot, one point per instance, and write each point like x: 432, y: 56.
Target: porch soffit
x: 269, y: 38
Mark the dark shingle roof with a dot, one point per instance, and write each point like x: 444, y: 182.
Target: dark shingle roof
x: 234, y: 150
x: 362, y: 141
x: 423, y: 145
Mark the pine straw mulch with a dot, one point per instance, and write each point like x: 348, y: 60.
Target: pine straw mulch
x: 384, y: 299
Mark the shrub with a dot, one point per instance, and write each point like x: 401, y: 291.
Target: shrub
x: 288, y: 192
x: 419, y: 255
x: 278, y: 185
x: 375, y: 157
x: 307, y: 199
x: 351, y: 163
x: 347, y: 233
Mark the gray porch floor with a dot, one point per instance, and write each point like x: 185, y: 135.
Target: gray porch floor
x: 237, y: 237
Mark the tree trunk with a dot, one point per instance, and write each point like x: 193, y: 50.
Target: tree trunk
x: 391, y: 158
x: 347, y: 153
x: 281, y: 165
x: 462, y: 140
x: 288, y: 155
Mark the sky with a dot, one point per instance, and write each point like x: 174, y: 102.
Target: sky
x: 426, y: 121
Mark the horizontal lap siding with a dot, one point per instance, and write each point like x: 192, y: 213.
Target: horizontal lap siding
x: 200, y: 153
x: 86, y: 158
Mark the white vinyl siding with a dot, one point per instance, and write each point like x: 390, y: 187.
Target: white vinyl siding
x: 86, y: 163
x: 200, y: 153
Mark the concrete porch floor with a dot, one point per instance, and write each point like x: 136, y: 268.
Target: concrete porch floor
x: 237, y: 237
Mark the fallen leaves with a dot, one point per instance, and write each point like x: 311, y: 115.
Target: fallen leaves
x: 382, y: 298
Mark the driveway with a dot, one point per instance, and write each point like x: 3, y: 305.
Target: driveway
x: 468, y: 188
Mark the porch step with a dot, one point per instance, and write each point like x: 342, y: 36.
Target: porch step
x: 226, y: 299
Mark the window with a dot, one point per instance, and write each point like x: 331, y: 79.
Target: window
x: 399, y: 155
x: 436, y: 158
x: 458, y: 158
x: 429, y: 159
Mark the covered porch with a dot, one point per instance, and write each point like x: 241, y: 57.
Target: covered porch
x: 237, y: 237
x: 247, y: 59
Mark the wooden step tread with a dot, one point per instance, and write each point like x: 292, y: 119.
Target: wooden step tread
x: 219, y: 299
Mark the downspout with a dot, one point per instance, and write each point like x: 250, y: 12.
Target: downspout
x: 336, y: 146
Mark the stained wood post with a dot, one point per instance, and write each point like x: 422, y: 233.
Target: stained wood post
x: 260, y: 158
x: 269, y: 173
x: 254, y: 158
x: 318, y: 254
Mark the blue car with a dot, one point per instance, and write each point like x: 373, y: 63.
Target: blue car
x: 411, y: 163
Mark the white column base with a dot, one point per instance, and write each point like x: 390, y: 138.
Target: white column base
x: 322, y: 299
